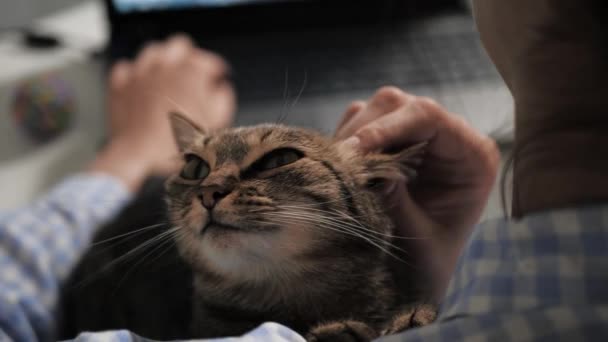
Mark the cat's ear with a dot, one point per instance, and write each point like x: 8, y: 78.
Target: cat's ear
x: 380, y: 170
x: 184, y: 130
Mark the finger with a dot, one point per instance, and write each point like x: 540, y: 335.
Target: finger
x: 354, y: 108
x: 120, y: 74
x: 219, y: 108
x: 412, y: 123
x: 210, y: 63
x: 384, y: 101
x: 225, y: 105
x: 148, y: 58
x: 177, y: 49
x: 180, y: 38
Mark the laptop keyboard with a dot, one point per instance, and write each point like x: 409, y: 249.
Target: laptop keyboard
x: 405, y: 60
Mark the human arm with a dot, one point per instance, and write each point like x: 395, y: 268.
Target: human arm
x: 40, y: 243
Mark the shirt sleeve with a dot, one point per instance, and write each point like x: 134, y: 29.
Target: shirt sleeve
x: 39, y: 245
x: 544, y: 278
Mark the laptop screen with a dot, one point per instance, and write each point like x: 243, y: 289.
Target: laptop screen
x: 127, y: 6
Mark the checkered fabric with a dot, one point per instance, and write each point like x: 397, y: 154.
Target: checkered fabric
x: 544, y: 278
x: 41, y: 243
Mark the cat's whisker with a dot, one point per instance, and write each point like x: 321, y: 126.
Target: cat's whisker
x: 143, y: 258
x: 362, y: 226
x: 351, y: 229
x: 261, y: 210
x: 140, y: 230
x: 359, y: 228
x: 359, y: 224
x: 285, y: 96
x: 311, y: 206
x: 141, y: 247
x: 316, y: 220
x: 168, y: 248
x: 161, y: 237
x: 293, y: 104
x: 179, y: 233
x: 339, y: 199
x: 350, y: 218
x: 355, y: 234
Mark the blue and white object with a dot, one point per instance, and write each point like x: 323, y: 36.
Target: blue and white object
x: 125, y: 6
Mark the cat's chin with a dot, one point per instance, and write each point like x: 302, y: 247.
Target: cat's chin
x: 237, y: 251
x: 244, y: 251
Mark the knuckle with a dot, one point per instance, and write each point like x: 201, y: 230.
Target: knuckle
x: 371, y: 134
x: 201, y: 58
x: 389, y: 92
x: 431, y: 110
x: 355, y: 106
x: 390, y: 96
x: 491, y: 152
x: 151, y: 49
x: 180, y: 39
x: 428, y: 100
x: 119, y: 75
x: 429, y: 104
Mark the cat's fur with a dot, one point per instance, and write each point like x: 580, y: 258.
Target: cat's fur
x: 306, y: 244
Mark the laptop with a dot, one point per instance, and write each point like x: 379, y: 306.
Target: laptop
x: 308, y: 59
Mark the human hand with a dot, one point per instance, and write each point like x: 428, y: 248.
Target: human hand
x: 459, y: 169
x: 172, y: 76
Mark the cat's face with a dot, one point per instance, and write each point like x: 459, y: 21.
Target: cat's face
x: 256, y: 200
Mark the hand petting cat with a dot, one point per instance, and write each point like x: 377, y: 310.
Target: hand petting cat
x: 446, y: 200
x: 167, y: 76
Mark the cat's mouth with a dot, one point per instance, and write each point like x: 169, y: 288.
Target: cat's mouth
x: 215, y: 225
x: 219, y: 225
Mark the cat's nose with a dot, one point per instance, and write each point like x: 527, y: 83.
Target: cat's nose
x: 211, y: 195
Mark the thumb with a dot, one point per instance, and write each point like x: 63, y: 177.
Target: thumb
x: 410, y: 219
x: 437, y: 258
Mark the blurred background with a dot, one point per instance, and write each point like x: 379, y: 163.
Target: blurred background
x: 309, y: 58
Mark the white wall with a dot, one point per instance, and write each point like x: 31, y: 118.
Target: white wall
x: 22, y: 12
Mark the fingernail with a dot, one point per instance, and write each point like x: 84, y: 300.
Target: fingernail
x: 352, y: 142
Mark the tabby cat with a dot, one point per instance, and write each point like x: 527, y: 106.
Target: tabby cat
x: 270, y: 223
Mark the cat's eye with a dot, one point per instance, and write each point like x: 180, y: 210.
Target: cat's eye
x: 195, y: 168
x: 278, y: 158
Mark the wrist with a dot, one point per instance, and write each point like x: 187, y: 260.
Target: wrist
x: 118, y: 160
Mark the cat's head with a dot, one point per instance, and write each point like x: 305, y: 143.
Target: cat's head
x: 255, y: 201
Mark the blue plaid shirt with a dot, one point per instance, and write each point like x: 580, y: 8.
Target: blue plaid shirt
x: 543, y: 278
